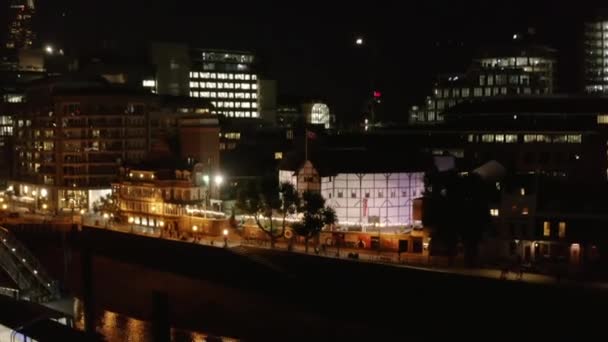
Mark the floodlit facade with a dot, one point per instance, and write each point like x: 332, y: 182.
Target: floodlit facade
x: 596, y: 56
x: 496, y: 72
x: 158, y: 196
x: 363, y: 199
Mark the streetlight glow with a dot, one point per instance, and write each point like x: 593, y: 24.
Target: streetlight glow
x: 206, y: 179
x: 49, y: 49
x: 219, y: 180
x: 359, y: 41
x: 225, y: 232
x: 194, y: 228
x: 82, y: 211
x: 44, y: 206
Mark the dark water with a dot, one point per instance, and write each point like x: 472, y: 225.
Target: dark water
x: 115, y: 327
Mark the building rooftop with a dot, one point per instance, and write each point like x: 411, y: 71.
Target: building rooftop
x: 330, y: 162
x: 544, y: 104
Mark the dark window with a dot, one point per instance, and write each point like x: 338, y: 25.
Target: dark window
x: 417, y: 245
x: 353, y: 195
x: 340, y: 194
x: 392, y: 194
x: 380, y: 194
x: 367, y: 195
x: 403, y: 246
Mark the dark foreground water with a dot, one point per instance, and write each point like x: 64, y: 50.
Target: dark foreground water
x: 115, y: 327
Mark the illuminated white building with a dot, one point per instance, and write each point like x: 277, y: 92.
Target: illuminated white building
x: 363, y: 190
x: 317, y: 114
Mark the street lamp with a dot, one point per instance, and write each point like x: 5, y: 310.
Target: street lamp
x: 359, y: 41
x: 225, y: 232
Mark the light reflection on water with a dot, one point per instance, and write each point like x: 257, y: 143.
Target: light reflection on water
x: 120, y: 328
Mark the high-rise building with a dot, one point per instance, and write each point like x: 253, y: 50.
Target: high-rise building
x: 596, y: 56
x: 226, y: 78
x: 20, y: 32
x: 500, y: 71
x: 72, y: 135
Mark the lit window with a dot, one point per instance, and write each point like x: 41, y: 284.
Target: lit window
x: 511, y: 138
x: 487, y: 138
x: 562, y: 230
x: 524, y: 211
x: 546, y: 228
x: 205, y: 75
x: 210, y: 85
x: 522, y: 191
x: 247, y: 77
x: 149, y: 83
x: 500, y: 138
x: 254, y: 86
x: 254, y: 77
x: 278, y: 155
x: 193, y: 84
x: 494, y: 212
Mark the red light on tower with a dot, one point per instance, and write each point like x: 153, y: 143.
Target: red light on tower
x: 377, y: 94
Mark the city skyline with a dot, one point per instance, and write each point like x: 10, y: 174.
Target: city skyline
x: 313, y: 53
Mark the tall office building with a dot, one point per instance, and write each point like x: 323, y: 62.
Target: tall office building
x: 596, y: 56
x: 500, y: 71
x: 226, y: 78
x: 20, y: 32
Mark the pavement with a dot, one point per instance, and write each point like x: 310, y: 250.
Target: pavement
x: 387, y: 258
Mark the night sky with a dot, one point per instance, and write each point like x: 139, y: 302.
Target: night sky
x: 307, y: 46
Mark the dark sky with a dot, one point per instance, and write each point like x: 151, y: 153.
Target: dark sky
x: 307, y: 45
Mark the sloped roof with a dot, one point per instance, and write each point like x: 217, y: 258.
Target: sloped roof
x: 331, y: 162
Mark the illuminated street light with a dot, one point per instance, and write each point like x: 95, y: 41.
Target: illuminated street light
x: 225, y: 232
x: 219, y: 180
x: 359, y: 41
x: 194, y: 228
x: 206, y: 179
x: 4, y: 206
x: 44, y: 192
x: 49, y: 49
x: 44, y: 206
x: 34, y: 193
x: 106, y: 216
x: 82, y: 211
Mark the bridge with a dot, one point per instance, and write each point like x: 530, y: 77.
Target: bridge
x: 32, y: 281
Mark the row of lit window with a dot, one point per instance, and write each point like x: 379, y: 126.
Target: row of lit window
x: 237, y: 113
x: 367, y: 194
x: 561, y: 233
x: 556, y: 138
x: 478, y: 92
x: 513, y: 61
x: 222, y: 76
x: 528, y: 138
x: 246, y: 105
x: 231, y: 135
x: 224, y: 85
x: 223, y: 95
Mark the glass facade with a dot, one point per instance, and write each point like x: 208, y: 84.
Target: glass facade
x: 596, y: 57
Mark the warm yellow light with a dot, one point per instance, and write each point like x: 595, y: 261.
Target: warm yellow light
x: 161, y: 223
x: 194, y: 228
x: 44, y: 192
x: 225, y: 232
x: 141, y: 175
x: 131, y: 220
x: 82, y: 211
x: 152, y: 176
x: 131, y: 174
x: 4, y: 206
x: 34, y: 193
x: 26, y: 189
x: 1, y: 199
x: 105, y: 216
x: 44, y: 206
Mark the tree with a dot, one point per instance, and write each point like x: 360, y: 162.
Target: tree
x: 315, y: 216
x: 456, y: 209
x: 267, y: 200
x: 108, y: 204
